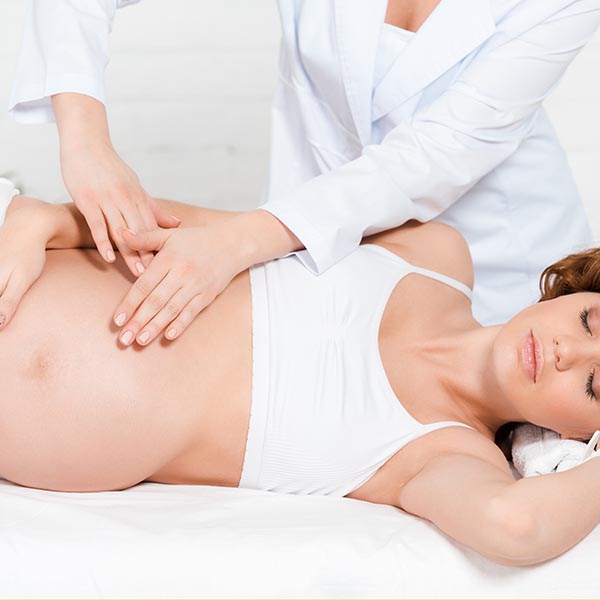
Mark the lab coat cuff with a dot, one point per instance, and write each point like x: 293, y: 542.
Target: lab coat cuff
x: 316, y: 256
x: 31, y: 103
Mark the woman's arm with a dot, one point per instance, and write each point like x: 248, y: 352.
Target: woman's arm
x: 472, y: 497
x: 23, y: 237
x: 68, y: 228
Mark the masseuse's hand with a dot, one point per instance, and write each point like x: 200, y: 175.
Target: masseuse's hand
x: 23, y: 238
x: 110, y: 197
x: 192, y: 267
x: 106, y: 191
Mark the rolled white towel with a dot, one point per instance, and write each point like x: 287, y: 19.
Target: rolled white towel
x: 7, y: 192
x: 538, y: 451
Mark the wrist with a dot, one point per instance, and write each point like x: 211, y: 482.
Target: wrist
x: 80, y: 119
x: 260, y: 236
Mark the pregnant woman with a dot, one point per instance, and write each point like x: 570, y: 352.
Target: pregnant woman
x: 371, y: 381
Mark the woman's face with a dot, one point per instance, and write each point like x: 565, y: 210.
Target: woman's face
x: 547, y: 359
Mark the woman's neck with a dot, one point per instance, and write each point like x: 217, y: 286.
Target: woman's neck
x: 461, y: 363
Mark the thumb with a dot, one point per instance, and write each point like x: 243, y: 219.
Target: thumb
x: 146, y: 240
x: 162, y: 216
x: 9, y: 300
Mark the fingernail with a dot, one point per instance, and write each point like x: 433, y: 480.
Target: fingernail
x: 171, y: 333
x: 175, y: 218
x: 144, y: 337
x: 2, y: 319
x: 120, y: 319
x: 110, y: 255
x: 127, y: 337
x: 140, y: 267
x: 131, y: 231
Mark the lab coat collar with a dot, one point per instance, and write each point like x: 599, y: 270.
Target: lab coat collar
x: 358, y: 24
x: 453, y: 30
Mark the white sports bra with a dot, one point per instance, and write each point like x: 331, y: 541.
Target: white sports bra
x: 324, y: 416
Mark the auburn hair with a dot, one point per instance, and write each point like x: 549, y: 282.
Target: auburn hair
x: 579, y: 272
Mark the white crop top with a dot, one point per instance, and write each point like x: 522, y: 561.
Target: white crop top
x: 324, y: 416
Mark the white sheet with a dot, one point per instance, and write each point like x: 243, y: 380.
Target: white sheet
x: 159, y: 541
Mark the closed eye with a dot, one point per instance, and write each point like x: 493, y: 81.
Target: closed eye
x: 589, y: 387
x: 583, y: 317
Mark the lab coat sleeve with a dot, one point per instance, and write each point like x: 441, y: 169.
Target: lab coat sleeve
x: 65, y: 48
x: 429, y: 161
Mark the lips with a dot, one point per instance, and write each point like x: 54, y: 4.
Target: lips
x: 528, y: 356
x: 538, y: 355
x: 532, y: 357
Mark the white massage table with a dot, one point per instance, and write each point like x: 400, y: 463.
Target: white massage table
x: 162, y: 541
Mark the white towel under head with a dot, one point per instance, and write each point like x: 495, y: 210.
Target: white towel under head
x: 538, y: 451
x: 7, y: 192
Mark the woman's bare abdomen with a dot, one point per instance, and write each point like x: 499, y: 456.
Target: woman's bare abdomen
x: 79, y: 412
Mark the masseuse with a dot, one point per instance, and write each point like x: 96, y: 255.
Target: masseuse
x: 383, y: 112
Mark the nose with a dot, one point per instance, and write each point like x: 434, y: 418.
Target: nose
x: 569, y: 351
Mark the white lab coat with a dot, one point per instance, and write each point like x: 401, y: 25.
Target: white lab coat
x: 455, y: 131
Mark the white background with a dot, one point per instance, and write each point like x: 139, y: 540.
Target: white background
x: 189, y: 89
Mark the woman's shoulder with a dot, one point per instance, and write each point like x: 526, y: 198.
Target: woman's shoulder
x: 432, y: 245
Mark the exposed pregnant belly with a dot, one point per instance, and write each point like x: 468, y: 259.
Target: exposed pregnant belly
x: 78, y: 412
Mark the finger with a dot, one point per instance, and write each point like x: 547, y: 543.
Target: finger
x: 152, y: 241
x: 165, y: 316
x: 187, y: 315
x: 140, y: 290
x: 158, y: 299
x: 9, y: 300
x: 97, y: 224
x: 146, y: 213
x: 130, y: 256
x: 162, y: 216
x: 139, y: 218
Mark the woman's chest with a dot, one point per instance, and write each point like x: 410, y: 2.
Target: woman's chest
x: 417, y: 313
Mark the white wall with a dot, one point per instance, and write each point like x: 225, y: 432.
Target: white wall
x: 189, y: 92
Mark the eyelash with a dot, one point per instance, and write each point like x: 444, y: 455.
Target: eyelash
x: 588, y: 388
x: 583, y: 317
